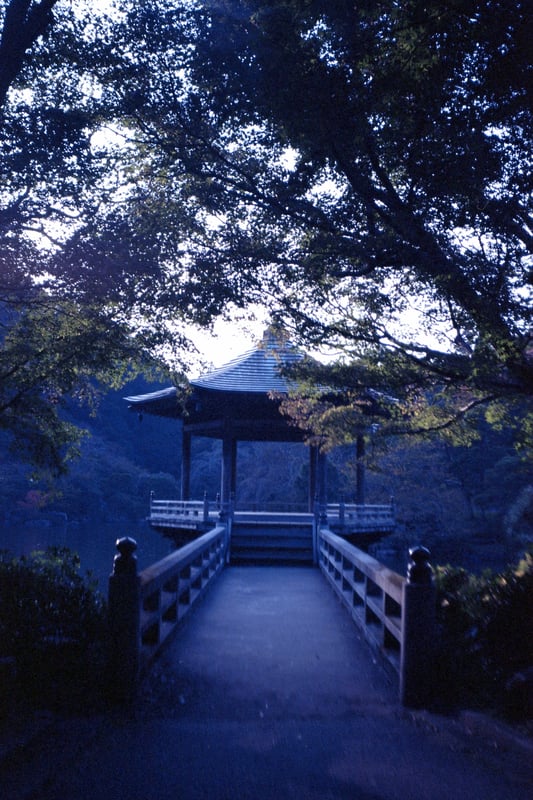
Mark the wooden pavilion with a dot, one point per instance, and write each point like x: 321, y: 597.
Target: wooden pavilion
x: 236, y: 402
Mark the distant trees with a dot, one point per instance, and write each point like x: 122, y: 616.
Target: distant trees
x: 120, y: 462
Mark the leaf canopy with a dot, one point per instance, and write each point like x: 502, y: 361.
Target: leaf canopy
x: 363, y: 171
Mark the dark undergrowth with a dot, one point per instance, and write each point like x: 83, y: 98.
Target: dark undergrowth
x: 53, y: 631
x: 485, y: 657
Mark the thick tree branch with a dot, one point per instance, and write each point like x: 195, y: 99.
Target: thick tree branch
x: 24, y: 22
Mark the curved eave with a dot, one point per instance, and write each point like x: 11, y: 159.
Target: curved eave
x: 243, y: 395
x: 215, y: 414
x: 163, y: 403
x: 245, y: 387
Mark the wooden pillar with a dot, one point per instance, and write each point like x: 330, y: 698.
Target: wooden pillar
x: 233, y: 482
x: 360, y: 470
x: 186, y: 465
x: 228, y: 478
x: 313, y: 455
x: 322, y: 478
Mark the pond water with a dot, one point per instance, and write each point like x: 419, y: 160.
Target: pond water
x: 94, y: 543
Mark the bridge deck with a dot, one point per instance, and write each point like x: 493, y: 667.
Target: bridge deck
x: 269, y: 642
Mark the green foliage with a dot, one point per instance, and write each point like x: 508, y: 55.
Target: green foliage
x: 487, y: 630
x: 386, y: 399
x: 63, y: 325
x: 53, y: 621
x: 51, y: 351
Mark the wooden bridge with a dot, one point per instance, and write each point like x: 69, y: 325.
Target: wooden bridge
x: 395, y: 614
x: 267, y: 691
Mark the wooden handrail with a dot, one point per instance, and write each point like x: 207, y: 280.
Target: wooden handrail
x: 169, y: 588
x: 371, y: 592
x: 361, y: 515
x: 191, y: 510
x: 145, y: 608
x: 189, y: 513
x: 395, y: 614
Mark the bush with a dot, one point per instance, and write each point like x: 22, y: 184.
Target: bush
x: 486, y: 630
x: 53, y: 622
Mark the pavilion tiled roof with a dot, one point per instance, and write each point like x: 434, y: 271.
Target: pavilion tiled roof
x: 256, y: 371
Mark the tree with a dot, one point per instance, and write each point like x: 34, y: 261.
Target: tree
x: 23, y: 23
x: 52, y: 353
x: 363, y: 170
x: 65, y: 327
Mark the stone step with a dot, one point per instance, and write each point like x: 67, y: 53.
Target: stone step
x: 272, y: 553
x: 281, y: 540
x: 266, y: 555
x: 271, y: 544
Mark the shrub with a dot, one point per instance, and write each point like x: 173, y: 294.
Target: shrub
x: 486, y: 630
x: 53, y: 622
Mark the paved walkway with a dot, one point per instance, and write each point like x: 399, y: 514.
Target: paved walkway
x: 266, y: 693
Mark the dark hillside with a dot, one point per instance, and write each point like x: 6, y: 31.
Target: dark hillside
x: 122, y: 460
x: 459, y: 500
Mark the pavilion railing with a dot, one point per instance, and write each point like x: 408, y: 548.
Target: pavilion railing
x: 190, y: 513
x: 362, y: 516
x: 171, y: 511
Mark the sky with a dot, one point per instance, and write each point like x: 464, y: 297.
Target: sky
x: 227, y: 340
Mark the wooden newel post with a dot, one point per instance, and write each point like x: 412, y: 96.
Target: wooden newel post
x: 124, y: 622
x: 418, y: 631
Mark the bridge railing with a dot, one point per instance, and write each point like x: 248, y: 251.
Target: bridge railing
x: 145, y: 608
x: 169, y: 588
x: 395, y: 614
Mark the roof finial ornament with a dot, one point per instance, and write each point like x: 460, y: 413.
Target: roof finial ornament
x: 275, y: 338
